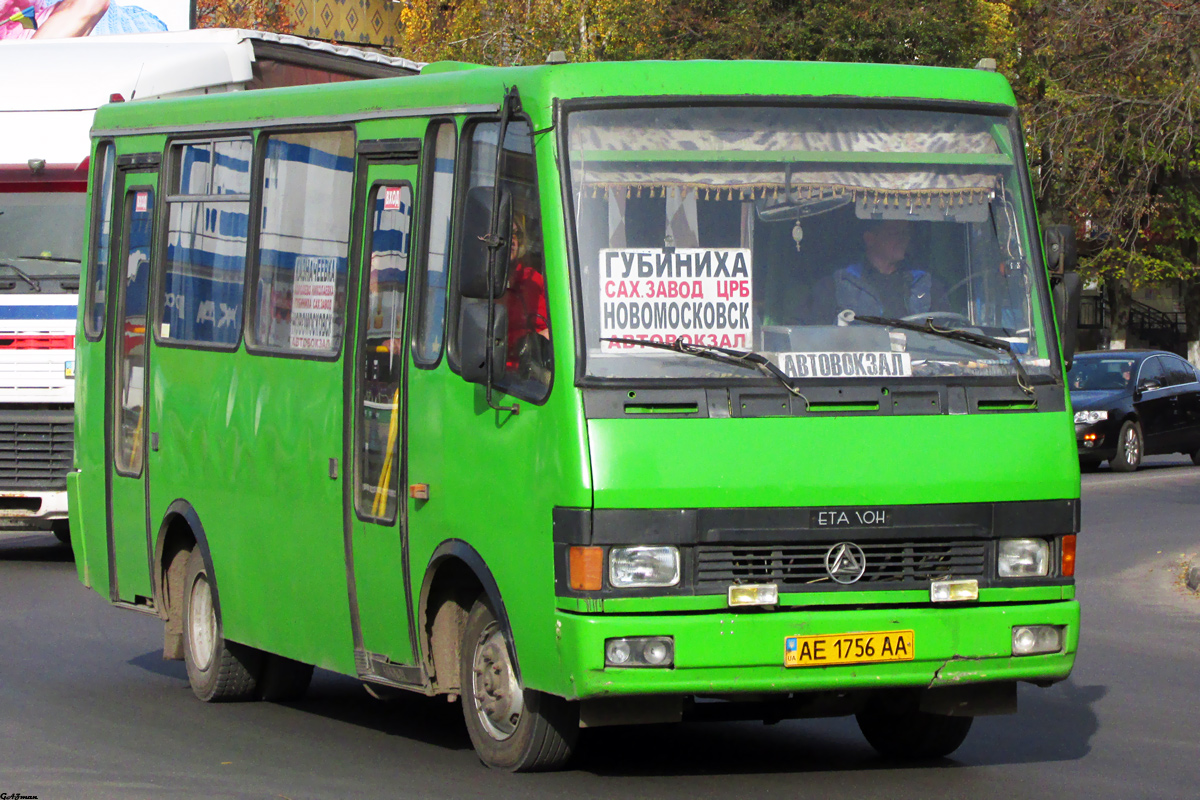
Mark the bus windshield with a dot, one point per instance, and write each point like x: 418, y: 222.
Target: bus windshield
x: 42, y: 232
x: 773, y: 229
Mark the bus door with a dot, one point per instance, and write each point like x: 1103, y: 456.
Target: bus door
x: 377, y: 537
x: 128, y: 343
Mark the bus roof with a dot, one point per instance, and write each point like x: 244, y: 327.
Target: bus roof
x: 47, y: 112
x: 474, y: 89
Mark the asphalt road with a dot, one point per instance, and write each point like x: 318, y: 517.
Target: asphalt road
x: 88, y: 709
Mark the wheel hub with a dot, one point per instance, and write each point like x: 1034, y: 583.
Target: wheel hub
x: 1132, y: 446
x: 202, y: 624
x: 498, y: 696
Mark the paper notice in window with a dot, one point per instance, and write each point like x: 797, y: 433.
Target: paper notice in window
x: 700, y: 296
x: 313, y: 298
x: 867, y: 364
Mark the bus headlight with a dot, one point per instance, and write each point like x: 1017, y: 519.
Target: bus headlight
x: 1090, y: 417
x: 633, y: 567
x: 1023, y: 558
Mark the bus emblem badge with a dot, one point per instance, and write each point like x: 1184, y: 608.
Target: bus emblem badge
x: 845, y: 562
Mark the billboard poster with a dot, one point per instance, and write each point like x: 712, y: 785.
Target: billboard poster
x: 59, y: 19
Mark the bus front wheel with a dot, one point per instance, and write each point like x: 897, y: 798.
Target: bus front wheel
x: 912, y: 733
x: 512, y: 728
x: 217, y: 670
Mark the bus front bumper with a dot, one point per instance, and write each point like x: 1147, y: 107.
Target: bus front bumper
x: 736, y: 652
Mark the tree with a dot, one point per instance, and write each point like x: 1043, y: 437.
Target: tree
x: 937, y: 32
x: 524, y: 32
x: 1111, y: 96
x: 263, y: 15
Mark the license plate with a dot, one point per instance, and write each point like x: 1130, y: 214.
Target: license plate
x: 869, y: 647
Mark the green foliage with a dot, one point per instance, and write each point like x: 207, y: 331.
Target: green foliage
x: 1111, y: 98
x: 937, y: 32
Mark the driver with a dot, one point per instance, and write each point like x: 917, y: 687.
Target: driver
x: 881, y: 284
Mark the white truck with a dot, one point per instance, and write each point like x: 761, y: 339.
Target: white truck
x: 46, y: 114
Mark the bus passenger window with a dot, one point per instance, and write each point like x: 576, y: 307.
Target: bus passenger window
x: 431, y: 322
x: 529, y: 361
x: 382, y: 349
x: 206, y: 242
x: 304, y: 243
x: 102, y: 241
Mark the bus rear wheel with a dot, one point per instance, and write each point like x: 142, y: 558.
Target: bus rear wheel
x: 911, y: 733
x: 512, y: 728
x: 217, y: 670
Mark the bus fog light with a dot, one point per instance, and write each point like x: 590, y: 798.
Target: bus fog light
x: 1023, y: 558
x: 760, y: 594
x: 953, y: 591
x: 633, y: 567
x: 1032, y: 640
x: 640, y: 651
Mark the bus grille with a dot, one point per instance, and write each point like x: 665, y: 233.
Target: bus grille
x: 798, y: 566
x: 35, y: 449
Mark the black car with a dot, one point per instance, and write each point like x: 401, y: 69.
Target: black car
x: 1132, y: 403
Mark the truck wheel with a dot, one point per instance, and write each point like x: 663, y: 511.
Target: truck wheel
x: 1129, y: 448
x: 913, y: 734
x: 217, y: 670
x: 512, y: 729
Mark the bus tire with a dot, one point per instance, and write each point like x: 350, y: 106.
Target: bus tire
x: 217, y: 670
x: 62, y: 531
x: 1129, y: 448
x: 912, y: 734
x: 512, y: 729
x: 283, y: 680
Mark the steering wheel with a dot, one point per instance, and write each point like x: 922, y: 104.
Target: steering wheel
x: 942, y: 318
x: 972, y: 278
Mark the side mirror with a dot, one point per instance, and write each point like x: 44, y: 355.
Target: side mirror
x: 1061, y: 255
x: 474, y: 340
x: 473, y: 272
x: 1067, y: 291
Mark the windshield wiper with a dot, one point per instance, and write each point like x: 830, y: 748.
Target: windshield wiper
x: 37, y: 287
x: 958, y: 335
x: 747, y: 359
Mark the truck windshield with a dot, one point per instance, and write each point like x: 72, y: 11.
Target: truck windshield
x: 41, y: 234
x: 771, y: 229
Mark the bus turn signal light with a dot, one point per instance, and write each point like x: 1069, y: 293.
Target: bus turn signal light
x: 587, y: 568
x: 1068, y: 556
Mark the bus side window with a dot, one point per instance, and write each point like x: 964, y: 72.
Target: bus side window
x: 431, y: 302
x: 299, y: 290
x: 207, y: 220
x: 529, y: 362
x: 101, y: 241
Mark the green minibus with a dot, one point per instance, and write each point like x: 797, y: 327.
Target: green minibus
x: 587, y: 394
